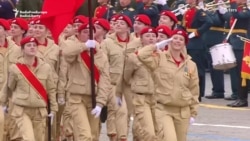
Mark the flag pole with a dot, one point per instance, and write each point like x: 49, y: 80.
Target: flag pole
x: 93, y: 95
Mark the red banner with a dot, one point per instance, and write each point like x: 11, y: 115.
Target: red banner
x: 59, y: 13
x: 245, y: 68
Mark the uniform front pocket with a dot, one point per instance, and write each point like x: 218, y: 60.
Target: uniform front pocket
x: 114, y: 75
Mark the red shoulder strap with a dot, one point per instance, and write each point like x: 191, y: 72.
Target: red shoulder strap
x: 86, y: 59
x: 33, y: 81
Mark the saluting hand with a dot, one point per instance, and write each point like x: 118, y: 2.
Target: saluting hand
x: 162, y: 44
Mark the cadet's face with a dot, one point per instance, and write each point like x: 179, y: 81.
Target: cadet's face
x: 84, y: 35
x: 30, y: 31
x: 68, y: 30
x: 148, y: 38
x: 138, y: 26
x: 15, y: 30
x: 76, y: 26
x: 30, y: 49
x: 2, y: 31
x: 165, y: 20
x: 112, y: 26
x: 178, y: 42
x: 161, y: 37
x: 40, y: 31
x: 121, y: 26
x: 99, y: 31
x: 125, y: 3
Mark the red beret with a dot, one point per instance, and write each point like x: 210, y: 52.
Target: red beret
x: 182, y: 33
x: 21, y: 22
x: 27, y: 40
x: 84, y: 26
x: 125, y: 18
x: 5, y: 24
x: 113, y: 18
x: 143, y: 18
x: 80, y: 19
x: 103, y: 23
x: 37, y: 21
x: 170, y: 14
x: 164, y: 30
x: 148, y: 30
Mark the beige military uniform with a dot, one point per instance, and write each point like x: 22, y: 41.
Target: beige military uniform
x: 86, y: 127
x: 65, y: 121
x: 51, y: 55
x: 176, y: 90
x: 115, y: 50
x: 139, y: 77
x: 8, y: 56
x: 29, y: 109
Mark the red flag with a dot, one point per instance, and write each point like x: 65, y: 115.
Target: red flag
x: 58, y: 13
x: 245, y: 67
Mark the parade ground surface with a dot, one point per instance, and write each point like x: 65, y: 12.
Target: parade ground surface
x: 216, y: 121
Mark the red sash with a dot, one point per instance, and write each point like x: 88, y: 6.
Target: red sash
x: 33, y: 81
x: 86, y: 58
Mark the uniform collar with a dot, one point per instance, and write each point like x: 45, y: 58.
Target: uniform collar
x: 5, y: 45
x: 45, y: 44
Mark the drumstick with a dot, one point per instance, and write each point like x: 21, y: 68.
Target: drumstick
x: 230, y: 31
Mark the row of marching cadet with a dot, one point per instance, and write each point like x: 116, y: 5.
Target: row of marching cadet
x: 154, y: 74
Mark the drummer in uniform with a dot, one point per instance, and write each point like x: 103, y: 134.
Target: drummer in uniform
x: 216, y: 35
x: 241, y: 26
x: 197, y: 23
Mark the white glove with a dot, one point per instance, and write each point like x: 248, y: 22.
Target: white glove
x: 222, y: 9
x: 51, y: 115
x: 161, y: 2
x: 118, y: 101
x: 183, y: 11
x: 90, y: 44
x: 191, y: 35
x: 5, y: 109
x: 96, y: 111
x: 162, y: 44
x: 61, y: 101
x: 192, y: 120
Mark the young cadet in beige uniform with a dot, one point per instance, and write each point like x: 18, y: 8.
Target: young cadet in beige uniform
x: 139, y: 77
x: 102, y: 27
x: 116, y: 46
x: 168, y: 19
x: 18, y: 29
x: 86, y: 122
x: 141, y: 21
x: 176, y: 87
x: 32, y: 85
x: 49, y: 51
x: 9, y: 52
